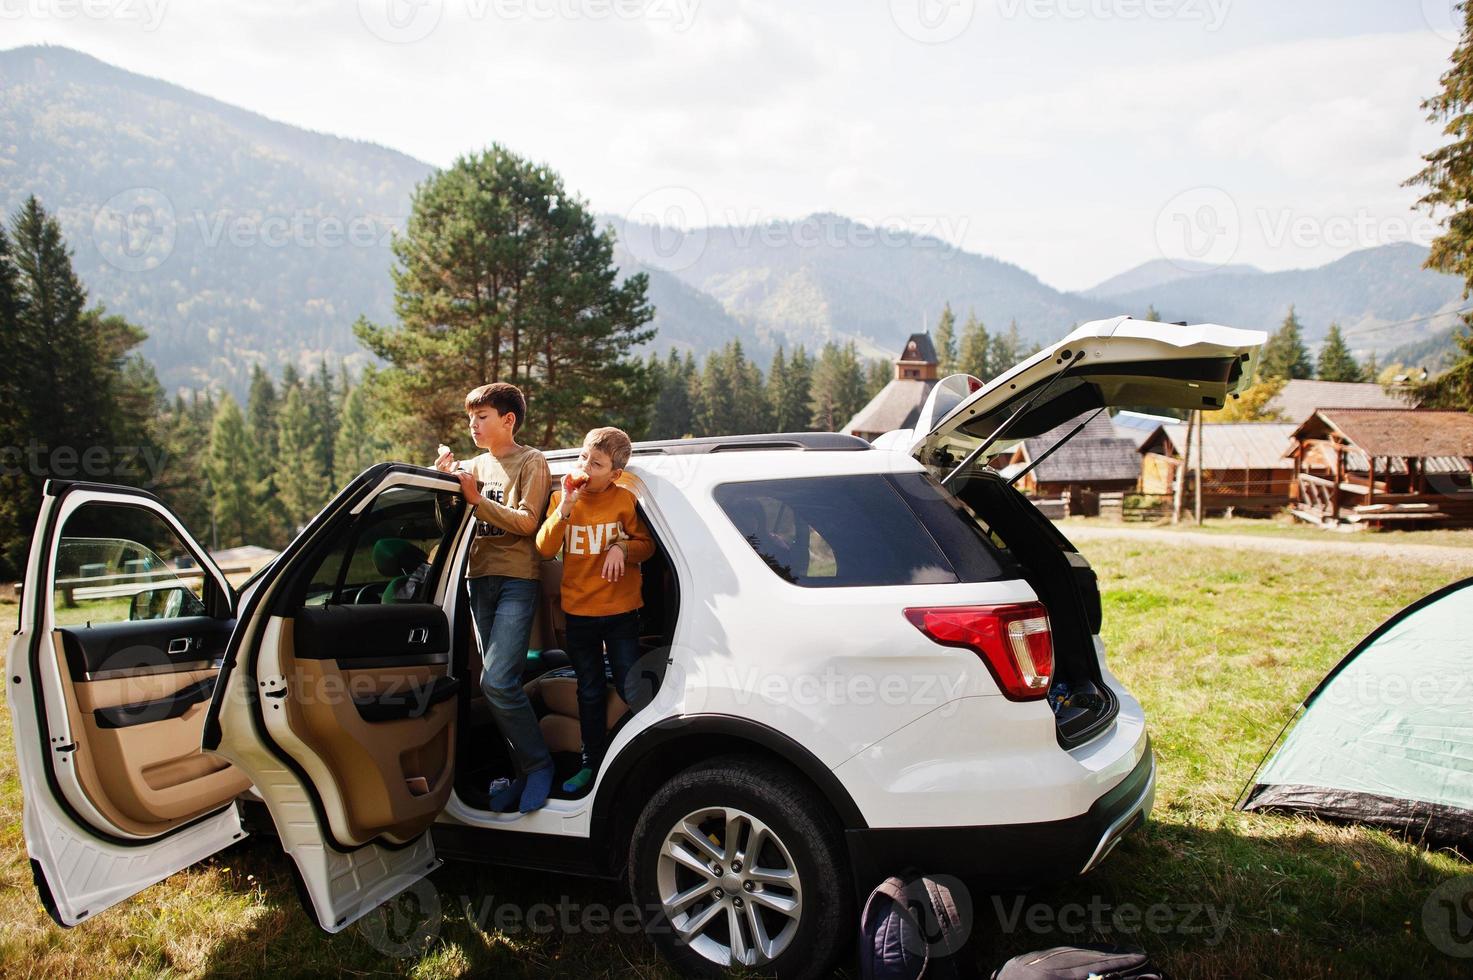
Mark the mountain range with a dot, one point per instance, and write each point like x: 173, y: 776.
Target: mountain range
x: 234, y: 239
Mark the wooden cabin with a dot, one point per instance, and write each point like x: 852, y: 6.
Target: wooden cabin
x: 899, y: 403
x: 1384, y: 467
x: 1094, y: 462
x: 1243, y: 464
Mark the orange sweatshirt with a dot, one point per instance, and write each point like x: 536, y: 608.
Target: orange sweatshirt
x: 597, y: 522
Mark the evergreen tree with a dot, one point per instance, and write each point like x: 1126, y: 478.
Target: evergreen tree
x: 358, y: 446
x: 1285, y: 356
x: 1336, y: 363
x: 717, y: 409
x: 232, y: 466
x: 946, y: 350
x: 975, y: 354
x: 672, y: 411
x: 183, y: 484
x: 502, y: 275
x: 300, y: 482
x: 791, y: 391
x: 322, y: 407
x: 261, y: 408
x: 1151, y: 314
x: 837, y: 386
x: 1452, y: 388
x: 1448, y: 174
x: 1006, y: 351
x: 1371, y: 370
x: 877, y: 374
x: 71, y: 383
x: 17, y: 493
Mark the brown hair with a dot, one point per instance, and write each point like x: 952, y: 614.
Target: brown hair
x: 613, y: 441
x: 502, y: 397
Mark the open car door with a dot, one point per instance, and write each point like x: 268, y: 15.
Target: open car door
x: 124, y: 620
x: 336, y: 697
x: 1118, y: 362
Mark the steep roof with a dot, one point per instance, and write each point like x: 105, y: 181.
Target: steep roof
x: 1097, y: 454
x: 897, y: 406
x: 1300, y: 399
x: 1405, y: 432
x: 1229, y: 445
x: 923, y: 349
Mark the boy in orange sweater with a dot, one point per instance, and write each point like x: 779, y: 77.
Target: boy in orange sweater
x: 593, y: 521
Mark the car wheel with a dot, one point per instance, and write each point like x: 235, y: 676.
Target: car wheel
x: 738, y: 863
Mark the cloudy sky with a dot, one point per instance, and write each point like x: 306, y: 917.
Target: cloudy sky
x: 1073, y: 137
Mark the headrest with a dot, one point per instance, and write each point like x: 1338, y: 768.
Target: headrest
x: 395, y: 556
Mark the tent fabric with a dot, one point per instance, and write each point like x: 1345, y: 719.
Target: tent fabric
x: 1387, y: 736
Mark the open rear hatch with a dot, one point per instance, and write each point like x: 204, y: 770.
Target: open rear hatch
x: 1117, y: 362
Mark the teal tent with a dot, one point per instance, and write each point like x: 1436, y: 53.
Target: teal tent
x: 1387, y: 737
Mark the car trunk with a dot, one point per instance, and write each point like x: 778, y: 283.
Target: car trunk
x: 1106, y: 363
x: 1065, y: 583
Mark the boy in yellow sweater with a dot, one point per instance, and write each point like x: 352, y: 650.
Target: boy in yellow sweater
x: 592, y: 519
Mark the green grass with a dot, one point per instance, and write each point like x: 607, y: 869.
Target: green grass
x: 1218, y: 644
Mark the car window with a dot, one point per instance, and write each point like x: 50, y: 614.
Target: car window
x: 393, y: 552
x: 873, y: 529
x: 116, y: 563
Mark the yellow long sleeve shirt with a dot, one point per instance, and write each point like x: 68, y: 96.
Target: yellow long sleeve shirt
x: 597, y: 522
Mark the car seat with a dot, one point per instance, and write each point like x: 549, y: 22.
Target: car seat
x: 405, y: 564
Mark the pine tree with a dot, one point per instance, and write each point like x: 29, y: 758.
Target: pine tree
x: 300, y: 482
x: 975, y: 354
x: 1452, y: 388
x: 322, y: 407
x: 1448, y: 174
x: 358, y: 447
x: 72, y: 382
x: 503, y: 275
x: 837, y: 387
x: 877, y: 374
x: 1336, y: 363
x: 261, y: 408
x: 1006, y: 351
x: 717, y: 409
x: 946, y: 350
x: 1151, y: 314
x: 672, y: 410
x: 232, y: 466
x: 184, y: 484
x: 1285, y: 356
x: 1371, y: 371
x: 16, y: 352
x: 790, y: 385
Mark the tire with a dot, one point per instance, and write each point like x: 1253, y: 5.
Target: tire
x: 792, y: 903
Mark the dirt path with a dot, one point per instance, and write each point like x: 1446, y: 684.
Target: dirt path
x: 1452, y: 557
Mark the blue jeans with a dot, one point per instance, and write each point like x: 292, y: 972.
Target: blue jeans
x: 587, y: 638
x: 503, y: 608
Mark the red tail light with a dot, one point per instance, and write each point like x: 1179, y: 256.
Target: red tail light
x: 1014, y: 642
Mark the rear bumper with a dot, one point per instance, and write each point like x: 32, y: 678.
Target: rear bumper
x: 1009, y: 856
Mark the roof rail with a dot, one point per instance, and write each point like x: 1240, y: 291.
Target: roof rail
x: 760, y: 442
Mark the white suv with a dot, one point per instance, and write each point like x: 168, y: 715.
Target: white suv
x: 860, y: 659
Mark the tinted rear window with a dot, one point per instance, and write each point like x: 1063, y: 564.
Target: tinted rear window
x: 872, y: 529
